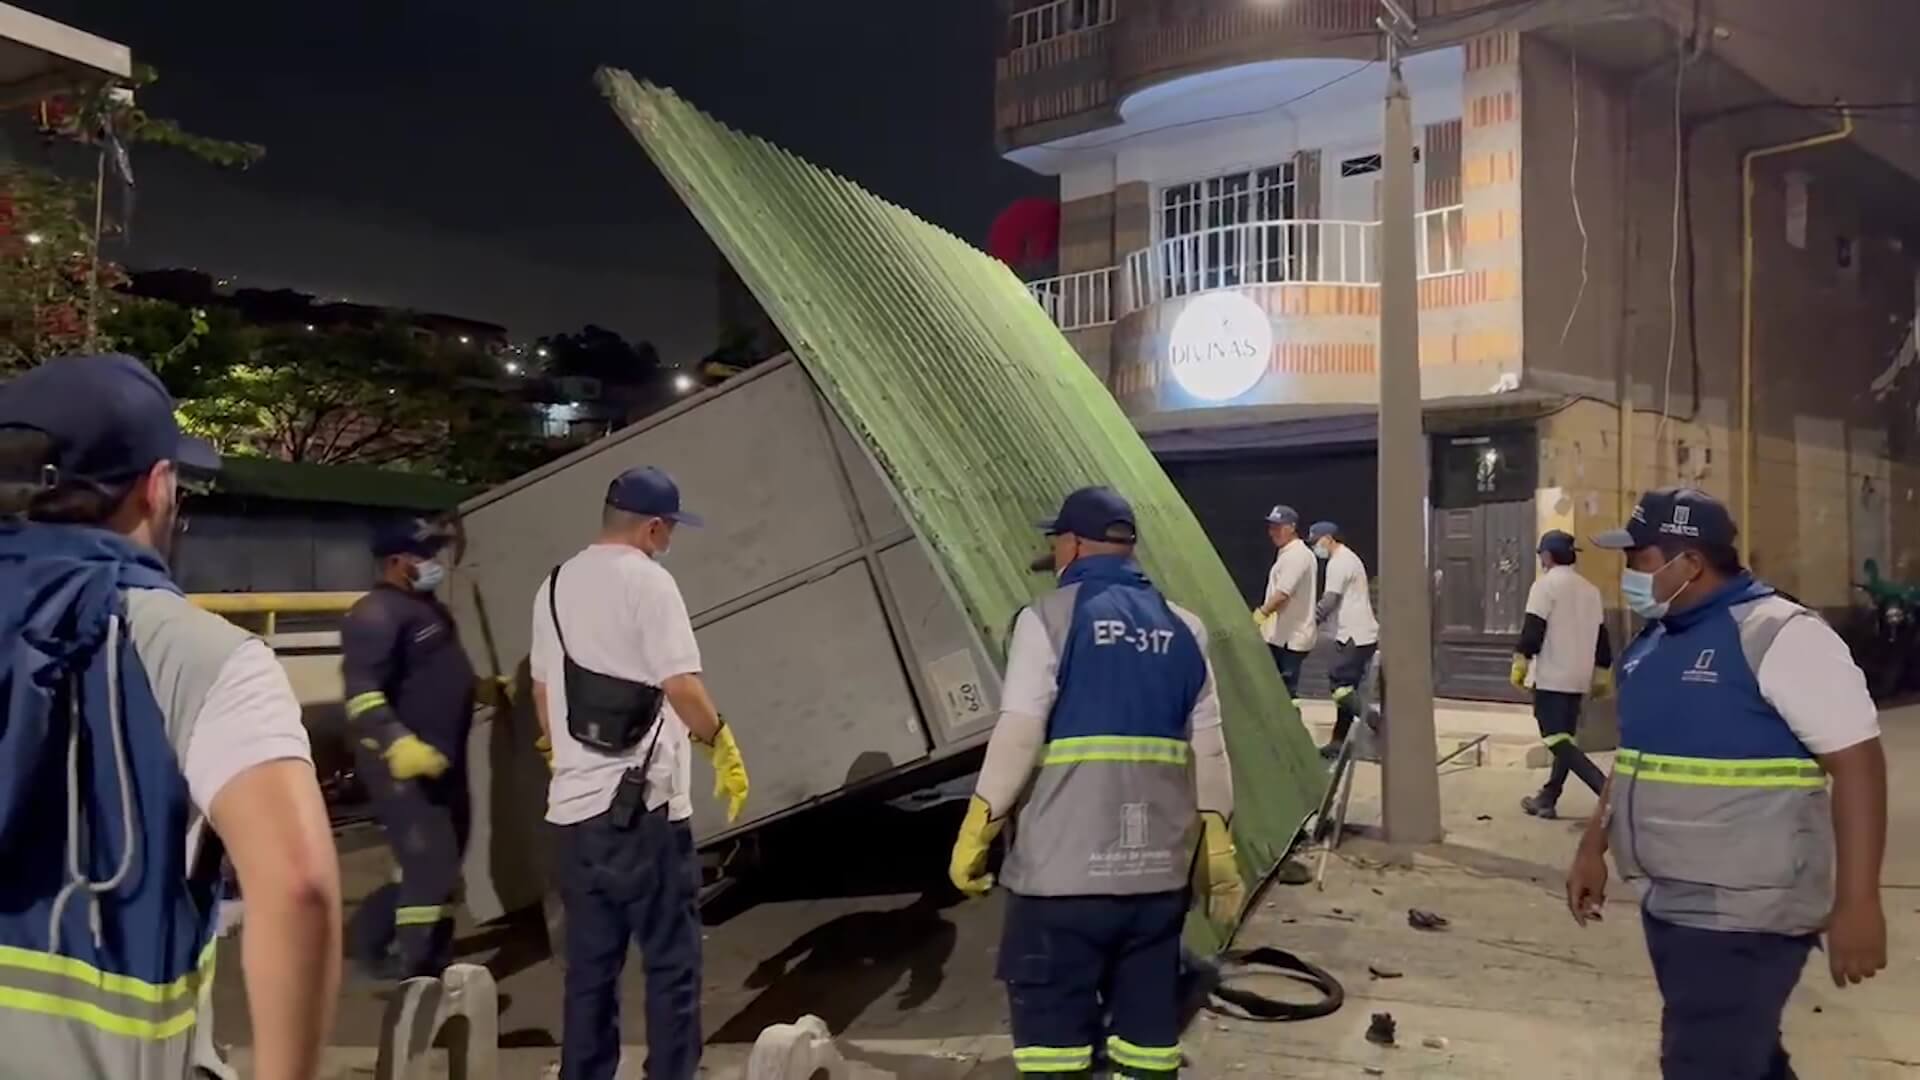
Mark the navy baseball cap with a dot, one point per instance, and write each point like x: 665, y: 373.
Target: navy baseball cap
x: 1323, y: 528
x: 1685, y: 515
x: 409, y: 537
x: 1283, y: 515
x: 109, y: 418
x: 650, y: 492
x: 1094, y: 513
x: 1557, y: 542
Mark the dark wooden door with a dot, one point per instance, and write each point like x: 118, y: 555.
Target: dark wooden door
x: 1483, y: 565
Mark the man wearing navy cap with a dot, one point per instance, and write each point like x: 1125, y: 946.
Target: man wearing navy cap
x: 1562, y: 656
x: 409, y: 689
x: 1109, y: 753
x: 1748, y: 798
x: 1285, y: 614
x: 1346, y: 604
x: 618, y: 693
x: 134, y: 723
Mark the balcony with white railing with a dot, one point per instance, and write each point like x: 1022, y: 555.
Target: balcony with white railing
x: 1045, y: 22
x: 1077, y: 301
x: 1288, y: 252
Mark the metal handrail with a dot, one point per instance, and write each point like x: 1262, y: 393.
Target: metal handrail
x: 1038, y: 25
x: 274, y: 605
x: 1077, y: 301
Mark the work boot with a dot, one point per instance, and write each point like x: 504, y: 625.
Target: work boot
x: 1330, y: 751
x: 1541, y: 804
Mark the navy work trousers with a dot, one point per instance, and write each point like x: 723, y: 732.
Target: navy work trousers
x: 1723, y: 993
x: 407, y: 930
x: 1094, y: 972
x: 1289, y: 662
x: 638, y: 884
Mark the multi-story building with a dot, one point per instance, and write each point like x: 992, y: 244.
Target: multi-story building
x: 1606, y: 305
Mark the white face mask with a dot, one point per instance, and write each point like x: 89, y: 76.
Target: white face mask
x: 1323, y: 549
x: 428, y: 575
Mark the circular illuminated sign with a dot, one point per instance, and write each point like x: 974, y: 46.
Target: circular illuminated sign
x: 1220, y: 346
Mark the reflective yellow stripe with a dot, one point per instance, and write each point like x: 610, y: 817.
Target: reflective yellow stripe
x: 1342, y: 693
x: 1722, y: 772
x: 360, y: 704
x: 106, y: 981
x: 1155, y: 1058
x: 423, y: 915
x: 88, y: 1013
x: 1118, y: 748
x: 1053, y: 1059
x: 1556, y: 739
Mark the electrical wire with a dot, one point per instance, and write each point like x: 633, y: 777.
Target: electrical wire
x: 1573, y: 189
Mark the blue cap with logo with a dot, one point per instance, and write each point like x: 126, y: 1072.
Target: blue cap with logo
x: 1283, y: 515
x: 650, y: 492
x: 1094, y: 513
x: 409, y: 536
x: 108, y: 417
x: 1323, y: 529
x: 1679, y: 514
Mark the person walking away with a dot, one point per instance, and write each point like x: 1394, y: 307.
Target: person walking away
x: 617, y: 688
x: 1110, y: 756
x: 140, y: 737
x: 1563, y: 655
x: 409, y: 688
x: 1286, y: 614
x: 1748, y: 798
x: 1347, y: 604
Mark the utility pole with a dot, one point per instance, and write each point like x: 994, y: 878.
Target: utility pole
x: 1411, y: 807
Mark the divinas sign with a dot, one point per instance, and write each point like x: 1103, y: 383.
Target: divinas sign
x: 1220, y: 346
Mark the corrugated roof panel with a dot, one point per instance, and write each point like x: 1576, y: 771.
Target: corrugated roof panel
x: 975, y: 407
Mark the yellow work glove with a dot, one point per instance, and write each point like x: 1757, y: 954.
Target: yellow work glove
x: 729, y: 771
x: 1602, y: 686
x: 967, y: 869
x: 409, y: 758
x: 1518, y: 674
x: 1261, y: 618
x: 545, y: 746
x: 1217, y: 874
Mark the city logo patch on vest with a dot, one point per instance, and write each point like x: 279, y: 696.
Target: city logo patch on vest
x: 1702, y: 670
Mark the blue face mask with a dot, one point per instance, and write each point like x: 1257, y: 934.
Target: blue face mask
x: 428, y: 575
x: 1636, y: 588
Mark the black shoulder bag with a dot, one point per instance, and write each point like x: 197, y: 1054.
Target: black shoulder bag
x: 607, y: 713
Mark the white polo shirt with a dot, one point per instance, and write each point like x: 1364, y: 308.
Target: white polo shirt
x: 1570, y: 604
x: 1353, y: 621
x: 623, y: 616
x: 1294, y: 570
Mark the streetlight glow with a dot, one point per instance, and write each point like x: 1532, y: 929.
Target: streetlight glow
x: 35, y: 238
x: 513, y: 368
x: 683, y: 382
x: 542, y: 352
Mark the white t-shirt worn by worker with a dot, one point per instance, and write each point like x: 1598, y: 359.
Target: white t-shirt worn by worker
x: 1570, y: 604
x: 623, y: 616
x: 1353, y: 621
x: 1294, y: 570
x: 1809, y: 676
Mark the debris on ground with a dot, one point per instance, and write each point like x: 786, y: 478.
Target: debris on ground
x: 1293, y: 872
x: 1426, y: 920
x: 1382, y: 1030
x: 1434, y: 1042
x: 1483, y: 817
x: 1382, y: 971
x: 1343, y: 916
x: 1373, y: 1070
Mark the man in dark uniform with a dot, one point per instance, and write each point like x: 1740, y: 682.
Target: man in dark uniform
x: 409, y: 689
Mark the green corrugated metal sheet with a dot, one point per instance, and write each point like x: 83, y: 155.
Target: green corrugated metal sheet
x: 976, y: 408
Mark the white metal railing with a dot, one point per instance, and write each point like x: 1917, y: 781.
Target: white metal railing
x: 1077, y: 301
x: 1058, y: 19
x: 1289, y: 252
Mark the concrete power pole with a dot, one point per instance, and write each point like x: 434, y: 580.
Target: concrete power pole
x: 1412, y: 782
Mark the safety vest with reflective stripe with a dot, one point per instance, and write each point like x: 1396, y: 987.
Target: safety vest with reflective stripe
x: 1112, y: 809
x: 107, y: 906
x: 1717, y: 806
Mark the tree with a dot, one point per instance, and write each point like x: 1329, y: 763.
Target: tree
x: 602, y: 354
x: 374, y: 396
x: 54, y: 287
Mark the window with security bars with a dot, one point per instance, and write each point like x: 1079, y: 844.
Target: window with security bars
x: 1234, y: 229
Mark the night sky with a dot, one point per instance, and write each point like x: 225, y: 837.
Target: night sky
x: 456, y: 156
